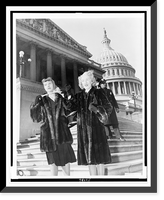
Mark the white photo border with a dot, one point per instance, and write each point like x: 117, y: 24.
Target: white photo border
x: 88, y: 184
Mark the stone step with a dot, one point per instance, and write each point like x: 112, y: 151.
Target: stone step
x: 124, y: 167
x: 27, y: 153
x: 81, y: 171
x: 40, y: 158
x: 74, y: 134
x: 36, y: 144
x: 126, y: 136
x: 126, y: 156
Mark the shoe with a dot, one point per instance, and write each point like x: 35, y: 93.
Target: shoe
x: 121, y: 138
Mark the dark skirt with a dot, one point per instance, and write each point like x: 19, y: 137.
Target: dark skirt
x: 113, y: 121
x: 63, y: 155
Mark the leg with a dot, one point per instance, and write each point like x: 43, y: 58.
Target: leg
x: 92, y: 170
x: 118, y: 134
x: 108, y: 131
x: 101, y: 169
x: 54, y: 170
x: 66, y: 169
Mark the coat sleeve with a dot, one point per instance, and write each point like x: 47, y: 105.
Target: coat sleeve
x: 100, y: 101
x: 71, y: 103
x: 36, y: 110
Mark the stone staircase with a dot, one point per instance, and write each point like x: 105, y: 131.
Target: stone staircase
x: 127, y: 156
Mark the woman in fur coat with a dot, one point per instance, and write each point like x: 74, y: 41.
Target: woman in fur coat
x: 93, y: 148
x: 55, y: 137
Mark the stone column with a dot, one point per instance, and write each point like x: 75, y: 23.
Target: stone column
x: 134, y: 88
x: 75, y: 77
x: 49, y: 63
x: 138, y: 89
x: 63, y: 72
x: 119, y: 88
x: 33, y: 62
x: 113, y: 88
x: 125, y: 88
x: 38, y: 74
x: 130, y: 88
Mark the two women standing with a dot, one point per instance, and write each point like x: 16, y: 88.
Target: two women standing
x: 93, y: 149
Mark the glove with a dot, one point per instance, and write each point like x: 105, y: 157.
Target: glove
x: 92, y: 108
x: 39, y: 100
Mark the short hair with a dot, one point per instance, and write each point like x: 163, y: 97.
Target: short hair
x: 90, y: 74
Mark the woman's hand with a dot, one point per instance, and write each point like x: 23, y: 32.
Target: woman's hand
x: 38, y: 100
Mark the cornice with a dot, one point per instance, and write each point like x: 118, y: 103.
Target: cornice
x: 124, y: 79
x: 52, y: 32
x: 28, y: 85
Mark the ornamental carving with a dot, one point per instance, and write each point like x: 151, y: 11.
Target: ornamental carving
x: 48, y: 27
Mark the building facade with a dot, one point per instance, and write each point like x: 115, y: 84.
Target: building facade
x: 48, y: 52
x: 120, y: 77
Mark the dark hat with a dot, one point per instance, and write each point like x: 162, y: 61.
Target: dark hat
x: 102, y: 81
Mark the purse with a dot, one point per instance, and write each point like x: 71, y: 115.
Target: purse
x: 102, y: 115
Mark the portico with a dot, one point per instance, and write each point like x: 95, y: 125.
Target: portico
x: 52, y: 53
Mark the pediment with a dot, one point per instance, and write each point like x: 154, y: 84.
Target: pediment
x: 50, y: 29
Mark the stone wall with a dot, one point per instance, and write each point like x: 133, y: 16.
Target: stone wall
x: 25, y: 96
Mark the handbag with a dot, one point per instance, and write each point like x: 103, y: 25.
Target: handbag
x: 102, y: 115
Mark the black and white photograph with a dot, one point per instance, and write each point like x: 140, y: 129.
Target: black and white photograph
x: 80, y: 98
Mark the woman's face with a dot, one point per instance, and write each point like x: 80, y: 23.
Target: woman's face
x: 86, y: 82
x: 102, y: 85
x: 48, y: 86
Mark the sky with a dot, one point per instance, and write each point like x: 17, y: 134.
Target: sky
x: 126, y: 32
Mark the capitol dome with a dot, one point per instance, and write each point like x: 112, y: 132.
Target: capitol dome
x: 110, y: 57
x: 119, y: 74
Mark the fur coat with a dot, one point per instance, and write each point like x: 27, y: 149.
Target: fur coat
x: 113, y: 121
x: 54, y: 129
x: 93, y: 147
